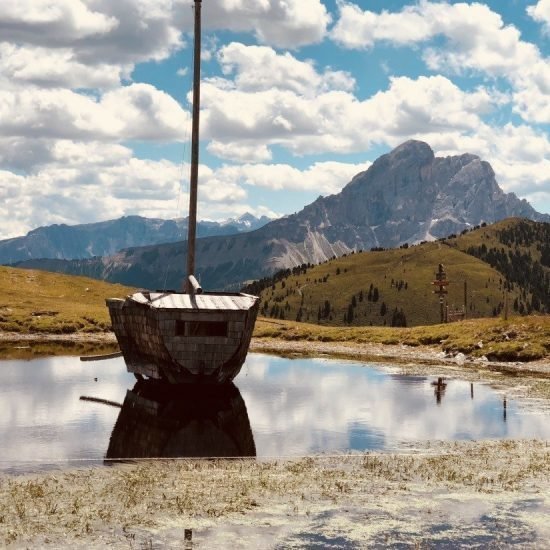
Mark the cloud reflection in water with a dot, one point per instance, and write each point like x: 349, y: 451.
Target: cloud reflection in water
x: 295, y: 407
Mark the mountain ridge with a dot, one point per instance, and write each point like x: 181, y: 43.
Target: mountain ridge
x: 65, y: 242
x: 407, y: 195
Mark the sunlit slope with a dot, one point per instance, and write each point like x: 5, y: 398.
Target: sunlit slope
x: 401, y: 281
x: 520, y: 338
x: 38, y: 301
x: 520, y: 250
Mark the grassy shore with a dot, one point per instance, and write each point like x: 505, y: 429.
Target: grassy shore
x: 486, y: 493
x: 520, y: 339
x: 516, y: 339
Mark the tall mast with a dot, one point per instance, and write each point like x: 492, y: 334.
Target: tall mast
x: 192, y: 229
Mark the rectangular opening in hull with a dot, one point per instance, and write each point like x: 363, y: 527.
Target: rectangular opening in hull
x: 201, y: 328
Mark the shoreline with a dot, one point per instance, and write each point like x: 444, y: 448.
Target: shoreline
x: 414, y: 360
x: 364, y: 351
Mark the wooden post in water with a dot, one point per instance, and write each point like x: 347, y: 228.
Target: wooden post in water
x: 192, y: 222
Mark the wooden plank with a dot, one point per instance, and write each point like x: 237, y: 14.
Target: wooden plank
x: 101, y: 357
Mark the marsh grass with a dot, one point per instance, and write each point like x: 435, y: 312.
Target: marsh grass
x: 28, y: 350
x: 150, y: 495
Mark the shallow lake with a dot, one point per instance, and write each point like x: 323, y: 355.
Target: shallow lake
x: 277, y: 407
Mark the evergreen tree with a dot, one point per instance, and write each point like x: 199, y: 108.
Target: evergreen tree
x: 383, y: 309
x: 350, y: 314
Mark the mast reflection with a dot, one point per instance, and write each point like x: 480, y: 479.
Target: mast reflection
x: 193, y: 421
x: 439, y: 389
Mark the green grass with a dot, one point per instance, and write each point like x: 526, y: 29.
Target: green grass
x: 43, y: 302
x: 339, y: 280
x: 517, y: 339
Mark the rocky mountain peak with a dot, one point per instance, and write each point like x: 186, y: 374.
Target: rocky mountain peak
x: 409, y: 195
x: 412, y: 151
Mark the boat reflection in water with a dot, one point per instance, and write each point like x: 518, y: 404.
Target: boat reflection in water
x: 158, y: 420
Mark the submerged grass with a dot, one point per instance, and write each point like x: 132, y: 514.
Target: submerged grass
x: 110, y: 503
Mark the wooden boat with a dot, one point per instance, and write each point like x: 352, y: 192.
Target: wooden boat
x: 160, y: 421
x: 190, y: 336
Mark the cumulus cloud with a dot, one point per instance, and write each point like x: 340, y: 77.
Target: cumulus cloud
x: 138, y: 111
x: 241, y: 152
x: 97, y: 43
x: 322, y: 177
x: 282, y: 23
x: 541, y: 12
x: 477, y: 40
x: 259, y: 68
x: 317, y: 120
x: 86, y: 182
x: 55, y: 68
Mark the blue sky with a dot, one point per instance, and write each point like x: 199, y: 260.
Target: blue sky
x: 297, y: 97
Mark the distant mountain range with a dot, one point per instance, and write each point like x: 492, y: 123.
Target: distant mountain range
x: 66, y: 242
x: 406, y: 196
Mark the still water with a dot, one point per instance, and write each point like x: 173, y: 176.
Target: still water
x: 277, y: 407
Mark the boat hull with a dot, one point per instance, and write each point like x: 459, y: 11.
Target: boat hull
x: 182, y: 345
x: 160, y: 421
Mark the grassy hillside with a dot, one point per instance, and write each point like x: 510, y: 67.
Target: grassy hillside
x: 374, y: 285
x: 38, y: 301
x: 520, y: 250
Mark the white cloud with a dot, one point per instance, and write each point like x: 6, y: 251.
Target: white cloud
x: 283, y: 23
x: 356, y: 28
x: 86, y: 182
x: 53, y: 68
x: 322, y: 177
x: 477, y: 40
x: 96, y: 43
x: 241, y: 151
x: 541, y: 12
x: 72, y: 19
x: 335, y: 121
x: 138, y: 111
x: 259, y: 68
